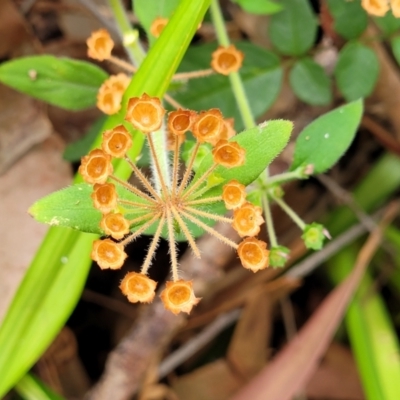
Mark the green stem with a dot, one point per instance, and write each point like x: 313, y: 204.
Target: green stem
x: 130, y: 37
x: 286, y: 176
x: 291, y: 213
x: 234, y: 77
x: 268, y: 221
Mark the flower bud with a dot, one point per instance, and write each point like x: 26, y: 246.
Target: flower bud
x: 100, y: 45
x: 117, y: 141
x: 313, y: 236
x: 207, y: 126
x: 228, y: 154
x: 234, y: 195
x: 96, y: 166
x: 138, y: 288
x: 145, y: 113
x: 108, y: 254
x: 278, y: 256
x: 253, y: 254
x: 226, y: 60
x: 104, y: 197
x: 247, y: 220
x: 179, y: 296
x: 114, y: 225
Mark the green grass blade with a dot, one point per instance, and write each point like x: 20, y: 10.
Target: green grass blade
x: 31, y: 388
x: 54, y: 281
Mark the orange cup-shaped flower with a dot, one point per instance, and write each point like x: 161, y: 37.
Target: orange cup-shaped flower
x: 138, y: 288
x: 96, y: 166
x: 104, y: 197
x: 117, y: 82
x: 108, y: 254
x: 228, y: 129
x: 109, y: 100
x: 234, y: 195
x: 114, y: 225
x: 157, y: 26
x: 375, y: 7
x: 253, y: 254
x: 395, y: 4
x: 145, y: 113
x: 229, y: 154
x: 247, y: 220
x: 179, y: 296
x: 100, y: 45
x: 180, y: 121
x: 117, y: 141
x: 207, y: 126
x: 226, y: 60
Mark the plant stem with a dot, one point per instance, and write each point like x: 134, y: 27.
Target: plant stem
x: 291, y: 213
x: 234, y: 77
x: 286, y: 176
x: 130, y: 37
x: 268, y: 221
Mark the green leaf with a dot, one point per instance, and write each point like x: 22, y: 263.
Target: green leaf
x: 388, y: 24
x: 350, y: 19
x: 356, y: 71
x: 262, y: 7
x: 56, y: 277
x: 395, y: 43
x: 74, y: 151
x: 261, y: 69
x: 63, y: 82
x: 293, y: 31
x: 324, y: 141
x: 310, y: 82
x: 262, y: 144
x: 32, y: 388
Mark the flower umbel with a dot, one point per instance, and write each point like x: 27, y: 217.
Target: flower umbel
x: 128, y: 211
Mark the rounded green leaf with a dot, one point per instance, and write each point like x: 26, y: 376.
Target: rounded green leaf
x: 350, y: 19
x: 293, y: 30
x: 261, y: 74
x: 262, y: 7
x: 395, y: 43
x: 388, y: 24
x: 324, y: 141
x: 356, y: 71
x: 63, y: 82
x: 310, y: 82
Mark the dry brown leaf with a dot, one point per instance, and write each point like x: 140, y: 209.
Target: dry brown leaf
x: 38, y: 173
x: 289, y: 372
x: 336, y: 377
x: 214, y: 381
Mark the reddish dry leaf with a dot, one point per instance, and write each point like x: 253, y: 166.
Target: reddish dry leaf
x: 290, y: 371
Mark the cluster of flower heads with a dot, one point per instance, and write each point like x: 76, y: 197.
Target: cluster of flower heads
x: 129, y: 211
x: 100, y: 45
x: 380, y: 7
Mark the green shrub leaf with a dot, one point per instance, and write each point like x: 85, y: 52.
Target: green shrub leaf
x: 356, y: 71
x: 261, y: 74
x: 262, y: 7
x: 350, y: 19
x: 63, y: 82
x: 293, y: 30
x: 395, y: 43
x: 388, y: 24
x: 310, y: 82
x: 324, y: 141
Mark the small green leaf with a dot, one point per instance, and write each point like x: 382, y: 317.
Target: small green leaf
x: 293, y: 30
x: 310, y: 82
x: 323, y: 142
x: 395, y: 43
x: 388, y: 24
x: 74, y: 151
x: 350, y: 19
x: 262, y: 144
x: 261, y: 69
x: 63, y: 82
x: 356, y: 71
x: 262, y: 7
